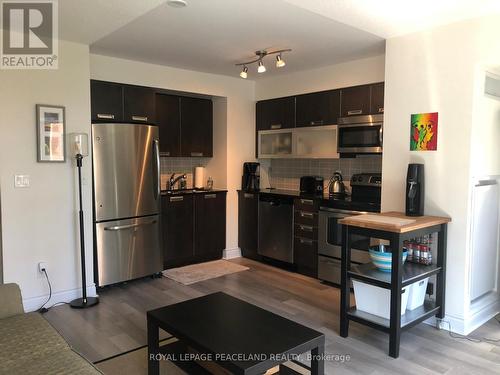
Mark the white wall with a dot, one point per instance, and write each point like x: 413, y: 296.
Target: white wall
x: 347, y: 74
x: 436, y: 71
x: 240, y: 116
x: 40, y: 223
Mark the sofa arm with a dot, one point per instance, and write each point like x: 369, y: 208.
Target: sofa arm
x: 11, y: 302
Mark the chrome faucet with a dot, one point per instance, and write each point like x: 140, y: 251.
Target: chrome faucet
x: 172, y: 181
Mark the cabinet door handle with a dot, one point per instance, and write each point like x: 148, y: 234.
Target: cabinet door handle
x: 318, y: 122
x: 306, y: 228
x: 306, y: 214
x: 176, y: 199
x: 165, y: 153
x: 309, y: 202
x: 275, y: 126
x: 355, y: 112
x: 248, y: 196
x: 210, y: 196
x: 197, y: 154
x: 305, y: 241
x: 381, y: 110
x: 106, y: 116
x: 139, y: 118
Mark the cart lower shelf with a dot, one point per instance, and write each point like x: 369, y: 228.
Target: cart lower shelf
x: 408, y: 320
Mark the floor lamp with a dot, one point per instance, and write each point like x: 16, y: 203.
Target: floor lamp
x: 79, y: 143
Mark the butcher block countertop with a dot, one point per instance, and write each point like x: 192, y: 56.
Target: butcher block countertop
x: 396, y: 222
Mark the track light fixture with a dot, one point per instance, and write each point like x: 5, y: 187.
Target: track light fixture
x: 261, y: 68
x: 259, y: 60
x: 280, y: 63
x: 244, y: 72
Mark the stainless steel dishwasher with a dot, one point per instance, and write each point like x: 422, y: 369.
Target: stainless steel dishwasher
x: 276, y: 227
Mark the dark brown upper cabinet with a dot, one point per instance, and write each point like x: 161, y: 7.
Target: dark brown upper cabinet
x: 106, y: 101
x: 319, y: 108
x: 377, y: 98
x: 196, y: 127
x: 139, y: 104
x: 355, y: 101
x: 168, y: 119
x: 275, y: 113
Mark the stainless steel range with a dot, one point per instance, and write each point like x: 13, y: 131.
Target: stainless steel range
x: 365, y: 197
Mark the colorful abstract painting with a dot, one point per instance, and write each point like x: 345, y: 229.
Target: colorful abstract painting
x: 424, y: 132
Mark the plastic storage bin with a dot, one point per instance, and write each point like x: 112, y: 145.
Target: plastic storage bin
x: 375, y: 300
x: 416, y: 295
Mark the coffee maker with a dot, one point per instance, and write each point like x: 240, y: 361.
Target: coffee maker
x: 415, y: 190
x: 251, y: 176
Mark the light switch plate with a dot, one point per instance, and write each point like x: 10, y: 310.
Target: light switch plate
x: 21, y: 181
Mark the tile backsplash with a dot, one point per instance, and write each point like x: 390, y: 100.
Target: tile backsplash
x: 286, y: 173
x: 178, y: 166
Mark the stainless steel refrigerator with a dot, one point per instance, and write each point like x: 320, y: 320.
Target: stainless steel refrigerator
x: 126, y: 163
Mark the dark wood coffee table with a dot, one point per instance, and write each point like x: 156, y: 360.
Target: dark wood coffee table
x: 236, y: 335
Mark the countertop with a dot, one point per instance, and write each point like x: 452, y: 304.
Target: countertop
x: 191, y: 191
x: 417, y: 222
x: 325, y: 200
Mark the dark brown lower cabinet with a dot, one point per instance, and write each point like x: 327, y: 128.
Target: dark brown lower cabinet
x: 209, y: 224
x: 193, y: 228
x: 248, y: 224
x: 178, y: 225
x: 305, y: 252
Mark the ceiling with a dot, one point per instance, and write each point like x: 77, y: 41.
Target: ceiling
x: 390, y: 18
x: 213, y: 35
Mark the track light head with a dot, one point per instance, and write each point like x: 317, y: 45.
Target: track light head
x: 261, y: 68
x: 244, y: 72
x: 280, y: 63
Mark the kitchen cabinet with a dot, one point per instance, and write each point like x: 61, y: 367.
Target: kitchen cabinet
x: 196, y: 127
x: 168, y: 119
x: 355, y: 101
x: 320, y: 108
x: 275, y: 114
x: 248, y: 224
x: 377, y: 98
x: 210, y: 224
x: 139, y: 104
x: 306, y: 236
x: 177, y: 229
x: 106, y: 101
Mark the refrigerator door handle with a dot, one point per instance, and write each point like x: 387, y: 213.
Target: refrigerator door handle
x: 129, y: 226
x: 156, y: 172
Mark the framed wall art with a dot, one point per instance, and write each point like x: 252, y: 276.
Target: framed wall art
x: 424, y: 132
x: 50, y: 130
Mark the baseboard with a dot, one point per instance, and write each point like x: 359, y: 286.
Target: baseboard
x: 34, y: 303
x: 232, y: 253
x: 465, y: 326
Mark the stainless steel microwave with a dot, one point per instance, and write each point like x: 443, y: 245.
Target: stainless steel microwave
x: 360, y: 134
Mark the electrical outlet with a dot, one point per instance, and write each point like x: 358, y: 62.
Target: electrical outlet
x: 42, y: 266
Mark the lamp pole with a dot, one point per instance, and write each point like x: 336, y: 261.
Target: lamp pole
x: 84, y: 302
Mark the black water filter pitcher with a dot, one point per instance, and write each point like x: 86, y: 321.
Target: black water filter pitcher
x: 415, y: 190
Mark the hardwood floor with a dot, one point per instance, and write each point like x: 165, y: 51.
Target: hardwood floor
x: 118, y: 324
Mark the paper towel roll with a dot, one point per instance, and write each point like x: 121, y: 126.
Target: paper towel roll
x: 199, y: 177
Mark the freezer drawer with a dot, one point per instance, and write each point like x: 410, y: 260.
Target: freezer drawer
x: 128, y: 249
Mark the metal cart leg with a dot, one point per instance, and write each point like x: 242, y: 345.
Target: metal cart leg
x: 345, y: 290
x: 396, y: 282
x: 441, y: 276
